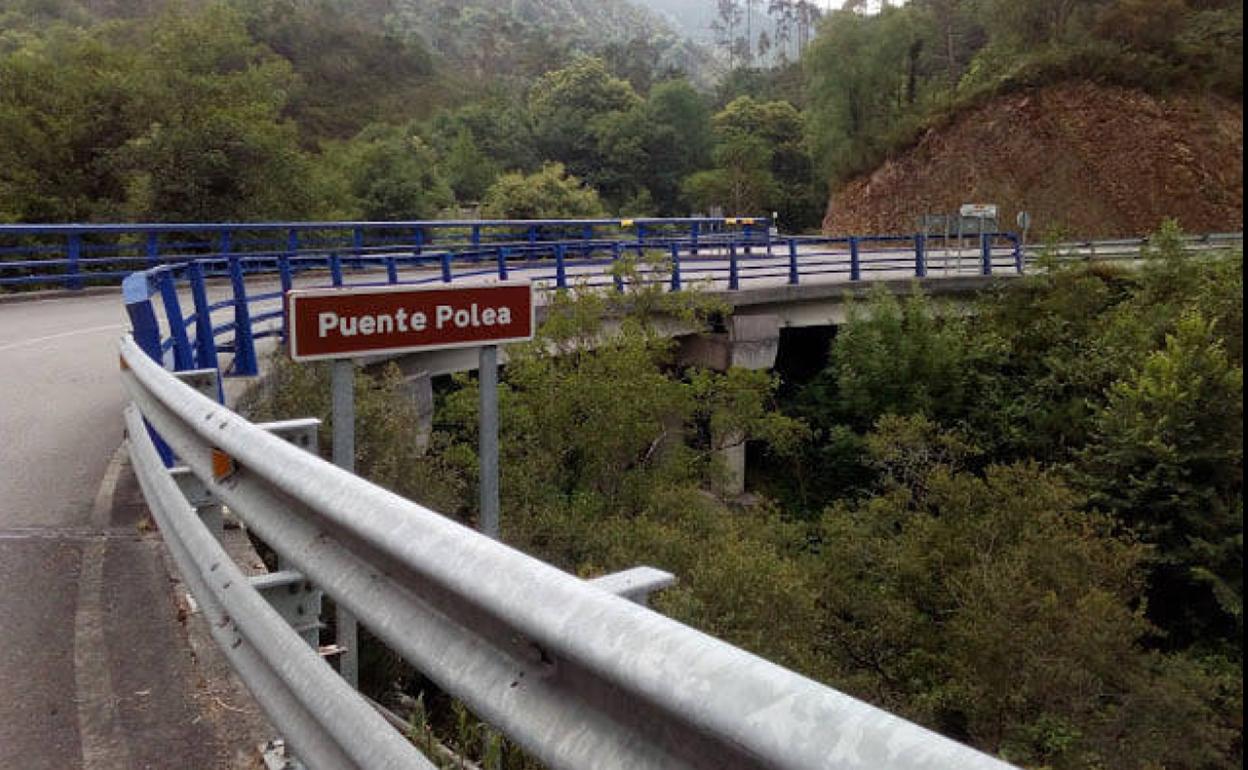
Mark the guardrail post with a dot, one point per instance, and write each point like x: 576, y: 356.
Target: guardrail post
x: 767, y: 235
x: 694, y: 231
x: 617, y: 251
x: 419, y: 241
x: 1019, y: 264
x: 74, y: 254
x: 182, y: 356
x: 532, y: 234
x: 920, y: 255
x: 855, y: 263
x: 244, y: 342
x: 747, y: 232
x: 985, y: 254
x: 205, y: 345
x: 335, y: 269
x: 153, y: 249
x: 502, y: 254
x: 445, y: 261
x: 476, y: 236
x: 357, y: 246
x: 675, y: 267
x: 794, y: 277
x: 734, y: 274
x: 561, y: 270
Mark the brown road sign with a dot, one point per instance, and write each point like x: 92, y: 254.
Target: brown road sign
x: 361, y: 321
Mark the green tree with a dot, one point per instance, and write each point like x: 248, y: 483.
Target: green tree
x: 214, y: 146
x: 861, y: 99
x: 1166, y: 456
x: 994, y: 609
x: 741, y: 182
x: 566, y: 105
x: 65, y: 111
x: 780, y: 126
x: 385, y: 173
x: 550, y: 193
x: 469, y: 171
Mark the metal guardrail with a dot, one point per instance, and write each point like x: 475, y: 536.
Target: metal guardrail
x: 74, y: 255
x: 733, y: 260
x: 575, y: 675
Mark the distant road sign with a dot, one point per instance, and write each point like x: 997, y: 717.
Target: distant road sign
x: 981, y: 210
x: 361, y: 321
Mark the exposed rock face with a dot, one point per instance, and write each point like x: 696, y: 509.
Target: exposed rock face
x: 1085, y: 160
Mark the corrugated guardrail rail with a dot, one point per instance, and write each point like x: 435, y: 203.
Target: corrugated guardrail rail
x: 577, y: 676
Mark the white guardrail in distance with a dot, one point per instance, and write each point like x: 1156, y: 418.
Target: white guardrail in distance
x: 577, y: 676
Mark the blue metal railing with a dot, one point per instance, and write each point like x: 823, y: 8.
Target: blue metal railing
x: 74, y: 255
x: 220, y: 286
x: 254, y: 284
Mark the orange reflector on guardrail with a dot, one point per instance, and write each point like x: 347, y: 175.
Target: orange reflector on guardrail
x: 223, y: 465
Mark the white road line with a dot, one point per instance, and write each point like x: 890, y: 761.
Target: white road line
x: 61, y: 335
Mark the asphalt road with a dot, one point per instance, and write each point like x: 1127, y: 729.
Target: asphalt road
x: 96, y: 670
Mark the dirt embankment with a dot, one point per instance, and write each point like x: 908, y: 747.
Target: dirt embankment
x: 1085, y: 160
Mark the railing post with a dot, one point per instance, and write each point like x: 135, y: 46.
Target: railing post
x: 641, y: 240
x: 502, y: 254
x: 419, y: 238
x: 675, y: 266
x: 182, y: 355
x: 476, y: 236
x: 244, y: 342
x: 734, y: 275
x: 445, y: 260
x: 532, y: 234
x: 74, y: 254
x: 153, y: 249
x: 855, y: 263
x: 136, y: 291
x: 694, y: 231
x: 205, y: 345
x: 617, y: 251
x: 561, y: 270
x: 357, y: 245
x: 747, y: 232
x: 794, y: 278
x: 920, y: 255
x: 335, y: 269
x: 985, y: 254
x: 1019, y: 265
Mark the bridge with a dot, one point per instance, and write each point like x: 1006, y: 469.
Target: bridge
x: 96, y: 670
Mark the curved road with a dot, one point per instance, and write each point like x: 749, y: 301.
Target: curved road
x: 96, y: 670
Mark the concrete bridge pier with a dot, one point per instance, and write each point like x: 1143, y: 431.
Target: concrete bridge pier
x: 418, y: 386
x: 750, y: 342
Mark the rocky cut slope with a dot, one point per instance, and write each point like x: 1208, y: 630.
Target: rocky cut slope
x: 1084, y: 159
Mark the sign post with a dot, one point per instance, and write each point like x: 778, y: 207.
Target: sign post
x: 488, y: 446
x: 342, y: 409
x: 341, y: 324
